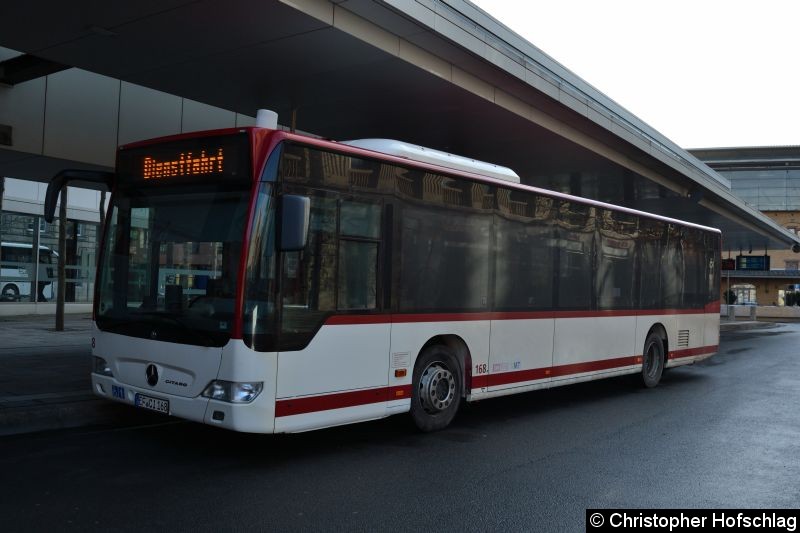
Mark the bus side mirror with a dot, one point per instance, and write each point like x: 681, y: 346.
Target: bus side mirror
x: 60, y: 180
x: 295, y: 217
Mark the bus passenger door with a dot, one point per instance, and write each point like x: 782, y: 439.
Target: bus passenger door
x: 334, y: 343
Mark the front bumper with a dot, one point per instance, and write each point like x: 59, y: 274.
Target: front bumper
x: 254, y: 417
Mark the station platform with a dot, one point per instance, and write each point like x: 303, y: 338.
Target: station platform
x: 44, y: 376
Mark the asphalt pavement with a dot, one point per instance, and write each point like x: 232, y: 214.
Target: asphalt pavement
x: 723, y: 433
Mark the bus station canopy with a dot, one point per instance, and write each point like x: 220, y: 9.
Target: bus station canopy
x: 438, y: 73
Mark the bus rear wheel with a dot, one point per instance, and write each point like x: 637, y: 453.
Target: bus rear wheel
x: 652, y: 360
x: 436, y: 394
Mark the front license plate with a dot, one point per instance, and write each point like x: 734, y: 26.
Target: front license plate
x: 153, y: 404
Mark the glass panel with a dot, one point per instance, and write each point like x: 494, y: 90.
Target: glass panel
x: 745, y: 294
x: 17, y: 273
x: 444, y: 243
x: 525, y: 255
x: 358, y: 264
x: 360, y: 219
x: 308, y: 281
x: 576, y: 228
x: 81, y: 253
x: 259, y: 329
x: 793, y: 190
x: 713, y: 252
x: 695, y: 268
x: 616, y: 267
x: 310, y: 166
x: 48, y: 253
x: 171, y: 262
x: 650, y: 241
x: 673, y: 270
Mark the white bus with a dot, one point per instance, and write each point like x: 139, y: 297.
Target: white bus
x: 17, y: 272
x: 352, y: 281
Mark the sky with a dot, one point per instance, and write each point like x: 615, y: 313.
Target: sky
x: 704, y: 73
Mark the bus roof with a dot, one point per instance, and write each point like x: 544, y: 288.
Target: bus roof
x: 344, y: 147
x: 474, y: 176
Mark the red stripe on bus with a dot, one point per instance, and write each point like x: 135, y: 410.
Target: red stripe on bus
x: 345, y: 320
x: 342, y: 320
x: 691, y: 352
x: 504, y: 378
x: 592, y: 366
x: 299, y: 406
x: 325, y: 402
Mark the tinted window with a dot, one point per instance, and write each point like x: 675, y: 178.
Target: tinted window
x: 308, y: 278
x: 525, y: 255
x: 694, y: 256
x: 339, y: 270
x: 575, y: 280
x: 713, y: 249
x: 673, y: 269
x: 358, y: 282
x: 616, y: 268
x: 650, y: 241
x: 310, y: 166
x: 444, y: 243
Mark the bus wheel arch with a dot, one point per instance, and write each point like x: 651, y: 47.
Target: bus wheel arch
x: 654, y: 355
x: 438, y: 382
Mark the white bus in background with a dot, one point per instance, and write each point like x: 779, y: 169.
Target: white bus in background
x: 337, y: 283
x: 17, y: 274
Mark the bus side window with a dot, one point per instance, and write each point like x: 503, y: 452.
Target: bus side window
x: 308, y: 278
x: 576, y: 236
x: 673, y: 269
x: 357, y: 275
x: 649, y: 245
x: 360, y: 229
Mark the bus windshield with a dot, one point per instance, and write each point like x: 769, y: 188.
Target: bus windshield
x: 171, y: 255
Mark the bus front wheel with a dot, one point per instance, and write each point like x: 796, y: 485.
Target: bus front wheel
x: 436, y: 393
x: 652, y: 360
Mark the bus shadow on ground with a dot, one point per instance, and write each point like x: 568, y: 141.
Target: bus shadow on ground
x: 475, y: 421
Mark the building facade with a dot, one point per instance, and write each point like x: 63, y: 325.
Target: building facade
x: 767, y: 178
x: 29, y: 253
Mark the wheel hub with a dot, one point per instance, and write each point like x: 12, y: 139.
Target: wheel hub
x: 437, y: 388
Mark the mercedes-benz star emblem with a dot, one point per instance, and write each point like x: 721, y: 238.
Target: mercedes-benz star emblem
x: 152, y: 375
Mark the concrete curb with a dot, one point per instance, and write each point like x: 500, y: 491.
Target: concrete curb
x: 79, y: 412
x: 745, y: 325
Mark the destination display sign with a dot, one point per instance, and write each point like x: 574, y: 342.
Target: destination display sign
x: 187, y: 164
x: 202, y: 158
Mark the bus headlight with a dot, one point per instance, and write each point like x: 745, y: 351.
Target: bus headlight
x: 101, y: 367
x: 233, y: 391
